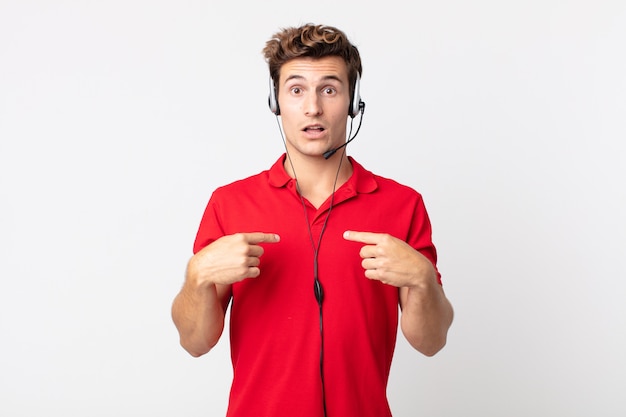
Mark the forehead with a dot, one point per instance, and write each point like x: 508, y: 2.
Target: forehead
x: 315, y: 68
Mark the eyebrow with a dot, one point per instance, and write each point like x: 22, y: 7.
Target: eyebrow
x: 324, y: 78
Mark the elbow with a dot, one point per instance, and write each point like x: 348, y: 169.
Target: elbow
x: 194, y: 352
x: 432, y: 348
x: 432, y: 339
x: 427, y: 345
x: 427, y: 341
x: 196, y: 349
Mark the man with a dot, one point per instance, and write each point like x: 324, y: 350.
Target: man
x: 315, y: 255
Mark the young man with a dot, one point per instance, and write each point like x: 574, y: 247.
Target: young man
x: 315, y: 255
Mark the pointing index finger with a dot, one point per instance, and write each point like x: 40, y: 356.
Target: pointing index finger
x: 363, y: 237
x: 259, y: 237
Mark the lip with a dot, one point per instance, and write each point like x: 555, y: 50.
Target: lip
x: 314, y: 130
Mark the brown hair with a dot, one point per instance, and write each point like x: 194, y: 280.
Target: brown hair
x: 314, y: 41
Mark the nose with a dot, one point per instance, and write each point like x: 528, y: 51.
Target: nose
x: 312, y: 105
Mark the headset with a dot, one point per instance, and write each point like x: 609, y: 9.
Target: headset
x: 356, y: 104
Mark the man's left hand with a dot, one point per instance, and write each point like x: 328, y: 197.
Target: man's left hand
x: 391, y: 260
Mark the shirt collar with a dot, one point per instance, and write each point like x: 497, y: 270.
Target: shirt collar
x: 361, y: 180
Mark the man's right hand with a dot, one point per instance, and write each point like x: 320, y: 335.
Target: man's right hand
x: 230, y: 259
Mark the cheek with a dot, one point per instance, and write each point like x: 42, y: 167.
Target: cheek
x: 288, y: 127
x: 339, y: 125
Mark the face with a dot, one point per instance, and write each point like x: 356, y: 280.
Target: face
x: 314, y: 96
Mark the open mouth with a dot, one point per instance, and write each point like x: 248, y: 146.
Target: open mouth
x: 313, y: 128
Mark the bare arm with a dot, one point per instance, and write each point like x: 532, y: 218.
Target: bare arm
x: 199, y: 308
x: 426, y: 312
x: 198, y: 312
x: 426, y: 315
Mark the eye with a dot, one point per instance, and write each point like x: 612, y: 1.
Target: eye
x: 329, y: 91
x: 296, y: 90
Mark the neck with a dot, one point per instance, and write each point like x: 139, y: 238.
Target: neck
x: 318, y: 177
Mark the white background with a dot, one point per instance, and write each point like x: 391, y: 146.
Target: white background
x: 119, y: 118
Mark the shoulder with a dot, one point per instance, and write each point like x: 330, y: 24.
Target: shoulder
x: 386, y: 184
x: 252, y: 181
x: 262, y: 182
x: 395, y: 185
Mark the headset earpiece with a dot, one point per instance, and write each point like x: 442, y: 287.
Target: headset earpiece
x: 273, y: 99
x: 356, y: 104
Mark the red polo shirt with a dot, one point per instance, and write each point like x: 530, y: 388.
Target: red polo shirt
x: 274, y: 322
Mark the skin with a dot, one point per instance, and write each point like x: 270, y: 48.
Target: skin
x: 426, y: 312
x: 314, y: 97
